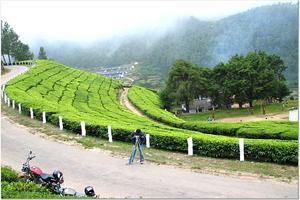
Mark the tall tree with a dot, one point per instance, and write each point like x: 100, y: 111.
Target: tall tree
x: 185, y: 83
x: 220, y: 92
x: 21, y: 52
x: 42, y: 54
x: 12, y: 46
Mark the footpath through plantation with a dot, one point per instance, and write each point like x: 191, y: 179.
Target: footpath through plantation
x: 77, y: 96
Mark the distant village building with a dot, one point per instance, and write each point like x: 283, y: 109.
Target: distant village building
x: 116, y: 73
x: 202, y: 104
x: 12, y: 59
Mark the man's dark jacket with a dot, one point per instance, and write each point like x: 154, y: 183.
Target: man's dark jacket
x: 141, y: 137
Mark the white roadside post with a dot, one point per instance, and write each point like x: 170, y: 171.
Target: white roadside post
x: 2, y: 93
x: 20, y: 108
x: 60, y: 123
x: 5, y: 98
x: 13, y: 104
x: 31, y: 113
x: 190, y: 146
x: 83, y: 131
x: 8, y: 102
x: 147, y: 140
x: 241, y: 144
x: 44, y: 117
x: 109, y: 134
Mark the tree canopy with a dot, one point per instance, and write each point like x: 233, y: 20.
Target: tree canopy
x: 12, y: 45
x: 186, y: 81
x: 243, y: 79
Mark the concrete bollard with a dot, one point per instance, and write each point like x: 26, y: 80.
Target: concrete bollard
x: 31, y: 113
x: 60, y: 123
x: 147, y: 140
x: 109, y: 134
x: 44, y: 117
x: 20, y: 108
x: 83, y: 130
x: 5, y: 98
x: 3, y: 87
x: 241, y: 144
x: 8, y: 102
x: 190, y: 146
x: 13, y: 104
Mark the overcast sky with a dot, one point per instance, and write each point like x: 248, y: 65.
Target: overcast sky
x: 90, y: 20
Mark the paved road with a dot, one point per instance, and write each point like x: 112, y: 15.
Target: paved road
x: 14, y: 71
x: 112, y: 178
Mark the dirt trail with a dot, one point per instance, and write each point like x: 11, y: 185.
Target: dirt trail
x: 279, y: 116
x: 125, y: 102
x: 112, y: 178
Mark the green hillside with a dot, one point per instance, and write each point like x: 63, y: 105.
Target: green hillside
x: 273, y: 29
x: 148, y: 102
x: 82, y: 96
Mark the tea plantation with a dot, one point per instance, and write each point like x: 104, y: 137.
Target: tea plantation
x: 82, y: 96
x: 149, y: 103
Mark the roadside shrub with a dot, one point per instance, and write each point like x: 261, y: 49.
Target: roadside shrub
x: 8, y: 175
x: 13, y: 187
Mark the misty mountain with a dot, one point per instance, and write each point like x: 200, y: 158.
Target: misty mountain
x: 273, y: 29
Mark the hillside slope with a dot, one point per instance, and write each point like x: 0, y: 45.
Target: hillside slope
x: 273, y: 29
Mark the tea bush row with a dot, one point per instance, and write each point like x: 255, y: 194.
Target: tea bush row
x: 148, y: 102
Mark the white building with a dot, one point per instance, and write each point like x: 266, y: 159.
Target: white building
x: 294, y: 115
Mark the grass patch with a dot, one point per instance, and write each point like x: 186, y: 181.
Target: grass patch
x: 13, y: 187
x: 273, y: 108
x: 197, y: 163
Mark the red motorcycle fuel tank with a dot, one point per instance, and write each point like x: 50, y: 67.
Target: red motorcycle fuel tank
x: 35, y: 170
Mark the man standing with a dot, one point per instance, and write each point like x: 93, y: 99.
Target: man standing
x: 137, y: 139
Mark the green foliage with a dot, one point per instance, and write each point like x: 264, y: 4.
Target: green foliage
x: 14, y: 187
x: 185, y: 83
x: 12, y: 46
x: 8, y: 175
x: 149, y: 103
x: 82, y: 96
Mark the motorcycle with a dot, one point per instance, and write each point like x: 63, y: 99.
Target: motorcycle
x: 51, y: 181
x: 36, y: 175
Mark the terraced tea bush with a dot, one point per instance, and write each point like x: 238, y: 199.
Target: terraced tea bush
x: 149, y: 103
x: 82, y: 96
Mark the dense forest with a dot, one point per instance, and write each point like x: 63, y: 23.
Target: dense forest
x: 273, y: 29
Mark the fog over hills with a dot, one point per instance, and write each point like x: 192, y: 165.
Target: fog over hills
x: 273, y: 29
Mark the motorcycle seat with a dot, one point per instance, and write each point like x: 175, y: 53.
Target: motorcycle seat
x: 46, y: 177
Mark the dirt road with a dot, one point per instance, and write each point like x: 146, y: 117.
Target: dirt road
x: 125, y: 102
x: 112, y: 178
x: 279, y: 116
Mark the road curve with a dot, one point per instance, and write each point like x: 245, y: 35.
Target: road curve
x: 15, y: 70
x: 125, y: 102
x: 112, y: 178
